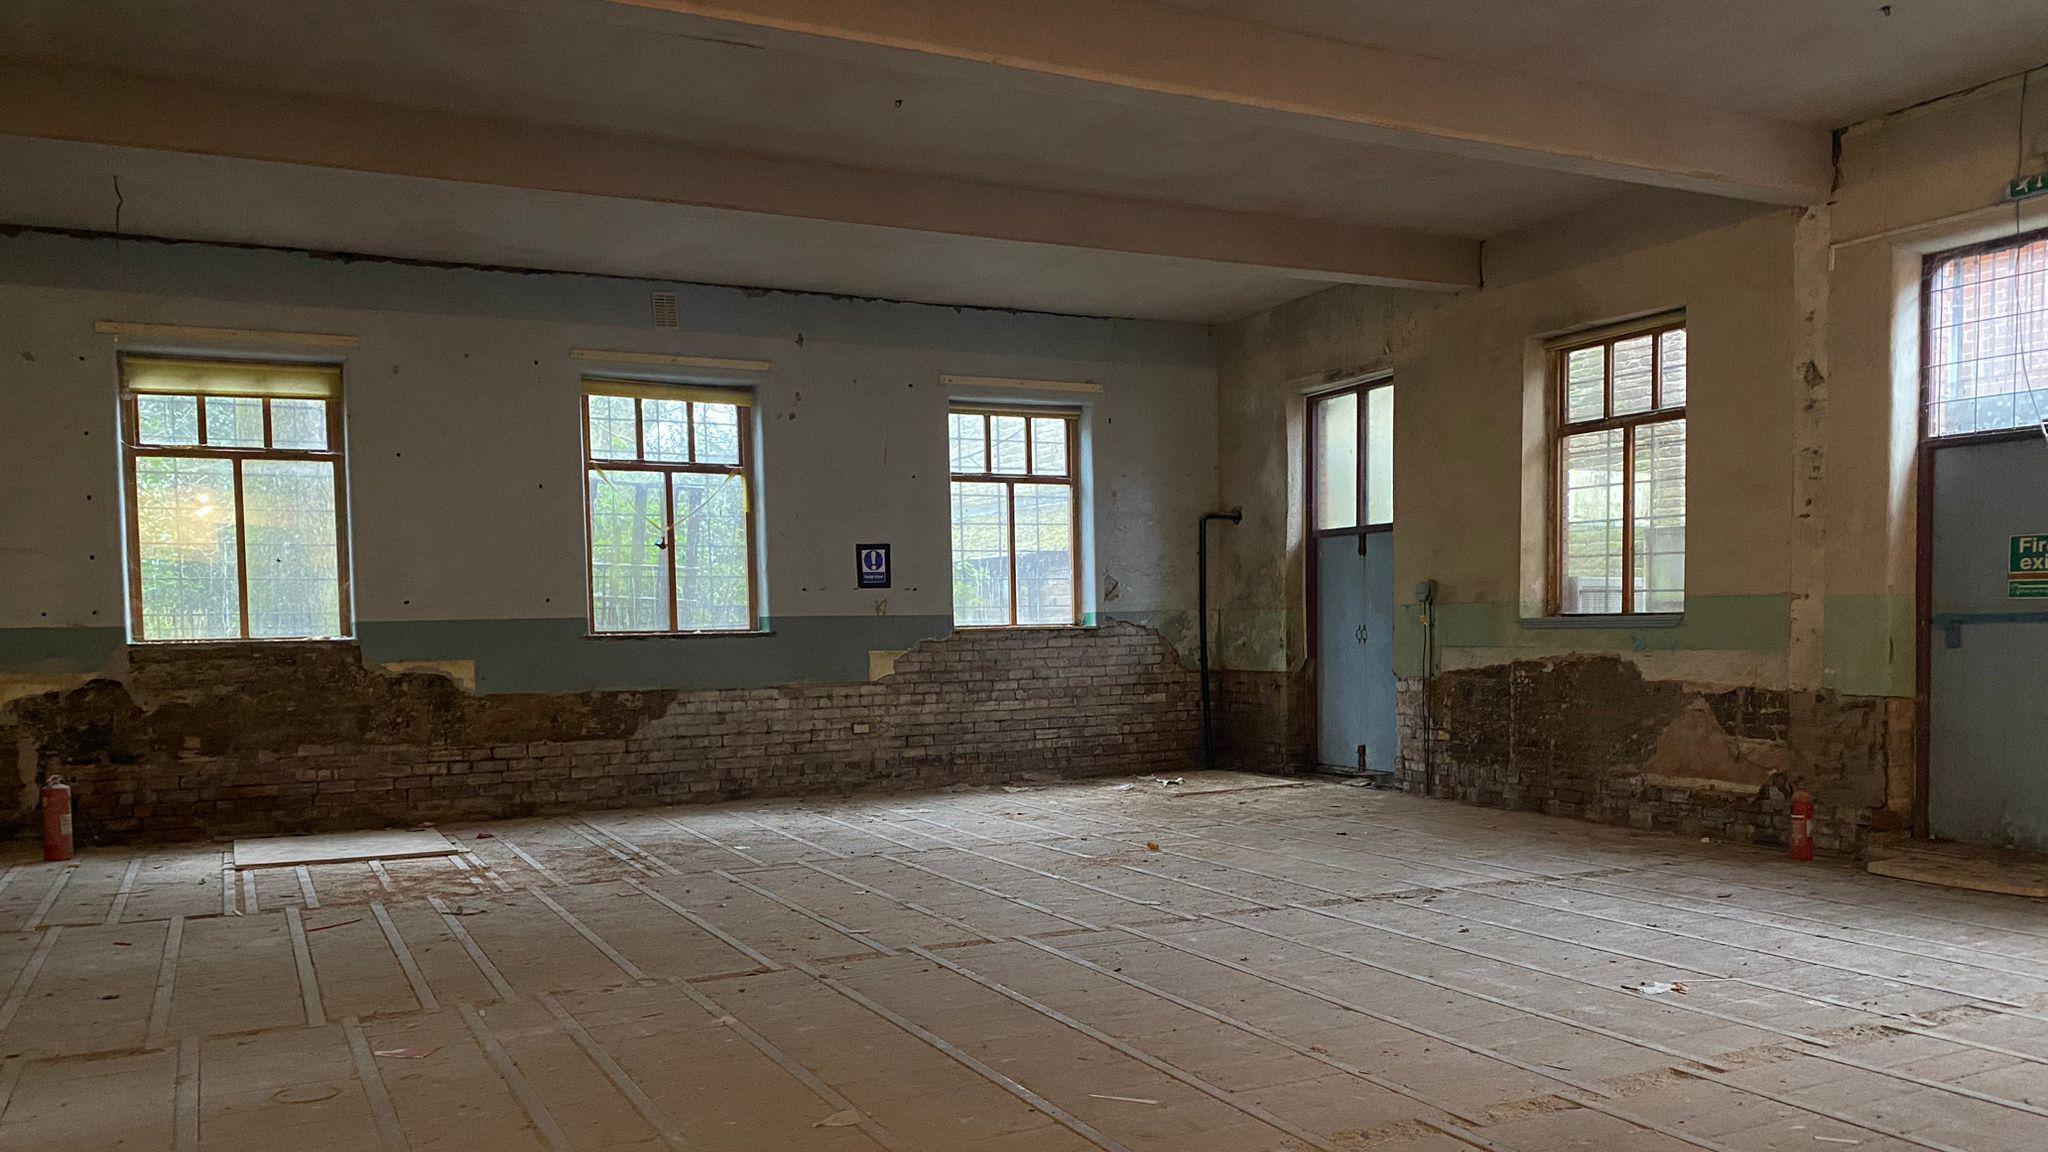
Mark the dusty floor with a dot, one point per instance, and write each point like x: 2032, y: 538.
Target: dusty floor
x: 1310, y: 966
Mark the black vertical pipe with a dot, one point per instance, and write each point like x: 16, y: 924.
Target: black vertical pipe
x: 1235, y: 515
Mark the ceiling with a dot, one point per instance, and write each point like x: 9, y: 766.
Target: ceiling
x: 632, y: 70
x: 659, y: 76
x: 172, y: 195
x: 1824, y: 62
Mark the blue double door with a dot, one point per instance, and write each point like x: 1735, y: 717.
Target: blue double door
x: 1355, y: 652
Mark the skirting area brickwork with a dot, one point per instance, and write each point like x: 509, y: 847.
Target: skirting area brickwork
x: 1589, y: 737
x: 209, y: 740
x: 1264, y: 720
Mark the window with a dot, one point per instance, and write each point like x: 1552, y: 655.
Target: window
x: 1620, y: 544
x: 1353, y: 459
x: 1987, y: 338
x: 668, y: 490
x: 237, y: 525
x: 1015, y: 506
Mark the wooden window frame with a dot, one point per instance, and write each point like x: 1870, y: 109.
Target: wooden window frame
x: 132, y: 449
x: 639, y: 391
x: 1363, y: 389
x: 1071, y: 481
x: 1563, y: 427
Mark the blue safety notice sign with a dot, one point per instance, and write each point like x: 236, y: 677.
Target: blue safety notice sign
x: 871, y: 565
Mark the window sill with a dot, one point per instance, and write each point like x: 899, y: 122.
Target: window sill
x: 1608, y: 620
x: 1025, y: 627
x: 703, y: 634
x: 241, y: 641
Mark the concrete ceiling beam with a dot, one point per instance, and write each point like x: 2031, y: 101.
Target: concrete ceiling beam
x: 59, y: 100
x: 1137, y: 49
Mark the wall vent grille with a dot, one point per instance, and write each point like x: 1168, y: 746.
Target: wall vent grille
x: 665, y: 315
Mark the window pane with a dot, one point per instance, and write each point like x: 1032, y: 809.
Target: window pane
x: 611, y: 428
x: 289, y: 526
x: 1672, y: 368
x: 968, y: 440
x: 185, y: 546
x: 1592, y: 523
x: 1379, y: 456
x: 1987, y: 340
x: 718, y: 433
x: 1336, y: 461
x: 664, y: 431
x: 1632, y: 367
x: 234, y: 421
x: 1659, y: 561
x: 1045, y: 554
x: 1585, y: 384
x: 981, y: 554
x: 711, y: 550
x: 299, y: 424
x: 1006, y: 436
x: 1048, y: 446
x: 628, y: 563
x: 167, y: 419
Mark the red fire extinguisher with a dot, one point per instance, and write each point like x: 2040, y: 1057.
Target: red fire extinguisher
x: 1801, y: 847
x: 56, y: 819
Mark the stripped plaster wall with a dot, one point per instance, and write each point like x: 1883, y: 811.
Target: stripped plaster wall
x: 465, y: 476
x: 1795, y: 658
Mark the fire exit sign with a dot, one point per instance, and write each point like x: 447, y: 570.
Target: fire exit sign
x: 2026, y: 576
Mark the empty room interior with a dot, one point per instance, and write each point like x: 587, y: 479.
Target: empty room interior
x: 1046, y: 576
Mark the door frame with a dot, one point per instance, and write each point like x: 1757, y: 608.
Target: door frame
x: 1312, y: 536
x: 1926, y: 452
x: 1924, y: 463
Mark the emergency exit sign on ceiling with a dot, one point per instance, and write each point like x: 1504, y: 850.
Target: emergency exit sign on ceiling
x: 2021, y: 187
x: 2026, y: 576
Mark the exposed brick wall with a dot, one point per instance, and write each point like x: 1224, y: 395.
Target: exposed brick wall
x: 1589, y: 737
x: 212, y: 740
x: 1264, y: 720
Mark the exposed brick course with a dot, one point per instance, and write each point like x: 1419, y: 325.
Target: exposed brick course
x: 1590, y: 737
x: 217, y: 739
x: 1264, y: 720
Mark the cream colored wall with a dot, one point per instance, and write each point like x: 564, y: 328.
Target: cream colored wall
x: 1803, y: 414
x: 1465, y: 369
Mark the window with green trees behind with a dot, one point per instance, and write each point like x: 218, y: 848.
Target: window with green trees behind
x: 670, y: 505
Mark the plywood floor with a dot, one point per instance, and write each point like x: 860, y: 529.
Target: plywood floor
x: 1312, y: 966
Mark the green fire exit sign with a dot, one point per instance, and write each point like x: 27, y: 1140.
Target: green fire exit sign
x: 2026, y: 576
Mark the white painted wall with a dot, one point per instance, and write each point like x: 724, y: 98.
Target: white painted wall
x: 464, y: 447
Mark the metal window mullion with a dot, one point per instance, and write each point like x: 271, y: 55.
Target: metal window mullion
x: 241, y: 553
x: 344, y: 581
x: 1359, y: 449
x: 1607, y: 381
x: 747, y: 496
x: 1656, y: 371
x: 1628, y: 520
x: 134, y: 518
x: 1010, y: 493
x: 199, y: 402
x: 690, y: 427
x: 1073, y: 430
x: 639, y: 435
x: 675, y: 586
